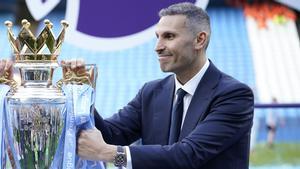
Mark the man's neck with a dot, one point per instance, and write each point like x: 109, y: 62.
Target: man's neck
x: 184, y: 77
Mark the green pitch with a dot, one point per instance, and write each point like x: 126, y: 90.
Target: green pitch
x: 280, y: 153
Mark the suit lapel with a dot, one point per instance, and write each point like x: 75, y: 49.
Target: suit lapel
x: 200, y: 100
x: 162, y: 111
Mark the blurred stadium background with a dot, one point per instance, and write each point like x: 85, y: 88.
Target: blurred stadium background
x: 255, y: 41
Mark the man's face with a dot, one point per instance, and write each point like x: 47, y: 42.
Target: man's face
x: 175, y: 45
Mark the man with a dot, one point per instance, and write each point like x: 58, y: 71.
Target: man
x: 197, y: 118
x: 272, y: 120
x: 217, y: 109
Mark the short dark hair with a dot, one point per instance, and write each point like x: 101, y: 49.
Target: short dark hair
x: 198, y: 19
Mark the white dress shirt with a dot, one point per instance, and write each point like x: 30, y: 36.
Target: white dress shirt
x: 190, y: 88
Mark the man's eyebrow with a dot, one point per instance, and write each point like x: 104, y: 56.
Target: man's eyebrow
x: 168, y: 32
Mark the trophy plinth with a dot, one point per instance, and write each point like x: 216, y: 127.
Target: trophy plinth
x: 35, y: 108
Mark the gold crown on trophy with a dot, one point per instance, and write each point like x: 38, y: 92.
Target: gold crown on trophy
x: 27, y: 47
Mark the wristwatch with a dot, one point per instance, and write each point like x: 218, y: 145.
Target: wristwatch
x: 120, y: 159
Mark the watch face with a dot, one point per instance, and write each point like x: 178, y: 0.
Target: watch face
x: 120, y: 160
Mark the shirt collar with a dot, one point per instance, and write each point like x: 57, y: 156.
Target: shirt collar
x: 191, y: 85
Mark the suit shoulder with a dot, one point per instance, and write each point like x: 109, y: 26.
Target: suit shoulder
x: 158, y: 83
x: 227, y: 82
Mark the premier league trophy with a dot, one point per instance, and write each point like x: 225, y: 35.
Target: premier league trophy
x: 34, y: 109
x: 39, y: 121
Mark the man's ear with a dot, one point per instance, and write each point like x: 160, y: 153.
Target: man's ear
x: 201, y: 40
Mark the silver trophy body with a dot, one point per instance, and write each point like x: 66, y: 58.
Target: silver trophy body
x: 35, y: 117
x: 34, y: 109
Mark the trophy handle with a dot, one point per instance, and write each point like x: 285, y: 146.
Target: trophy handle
x: 4, y: 79
x: 85, y: 74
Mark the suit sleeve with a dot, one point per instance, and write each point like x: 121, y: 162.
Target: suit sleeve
x: 122, y: 128
x: 227, y: 120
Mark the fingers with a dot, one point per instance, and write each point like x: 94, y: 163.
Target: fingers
x: 9, y: 68
x: 79, y: 67
x: 89, y: 144
x: 65, y: 67
x: 6, y: 68
x: 2, y: 66
x: 75, y: 65
x: 76, y: 68
x: 8, y: 65
x: 86, y: 137
x: 85, y: 133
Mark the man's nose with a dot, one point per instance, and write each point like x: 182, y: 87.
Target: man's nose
x: 159, y: 46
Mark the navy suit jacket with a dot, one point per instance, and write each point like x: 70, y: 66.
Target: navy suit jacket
x: 215, y: 132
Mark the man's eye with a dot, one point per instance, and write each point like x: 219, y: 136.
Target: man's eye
x: 169, y: 36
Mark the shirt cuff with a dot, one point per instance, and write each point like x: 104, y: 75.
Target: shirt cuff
x: 128, y: 156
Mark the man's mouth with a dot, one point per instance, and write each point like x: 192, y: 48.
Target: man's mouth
x: 164, y: 58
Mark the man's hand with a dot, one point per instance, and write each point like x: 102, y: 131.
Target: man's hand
x: 77, y: 70
x: 91, y: 146
x: 76, y: 66
x: 6, y: 69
